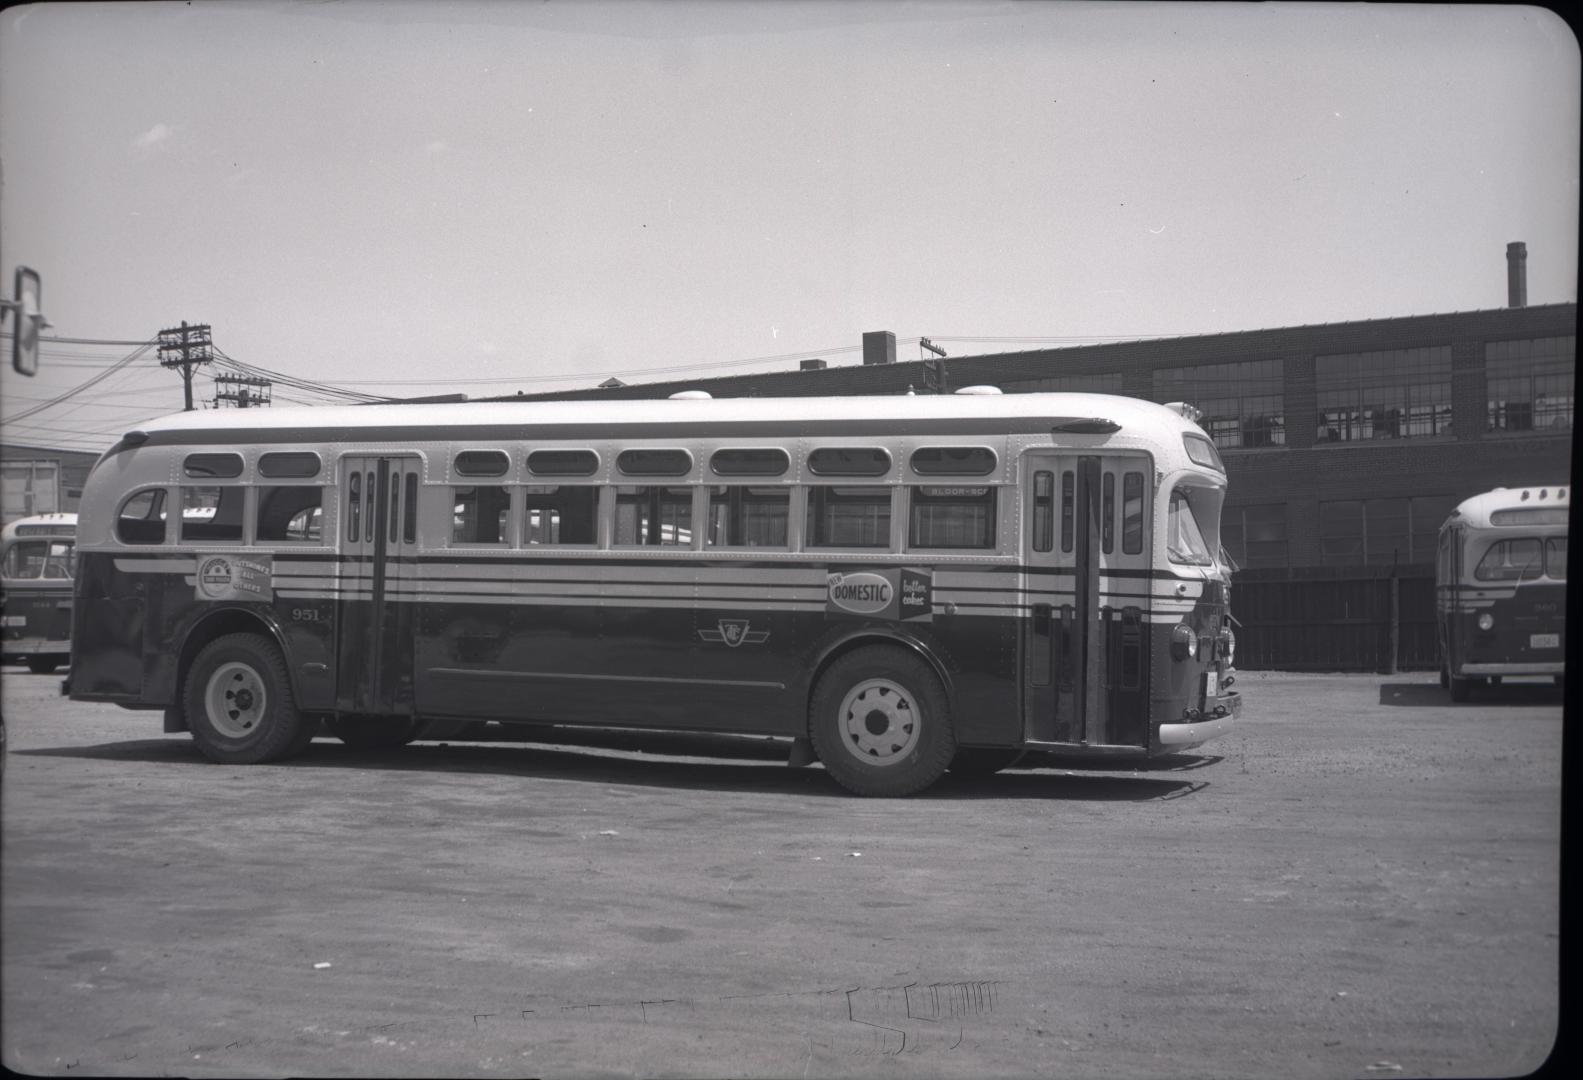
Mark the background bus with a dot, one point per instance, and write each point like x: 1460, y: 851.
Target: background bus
x: 900, y: 585
x: 1500, y: 587
x: 37, y: 564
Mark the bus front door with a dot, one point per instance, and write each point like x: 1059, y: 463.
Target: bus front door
x: 377, y: 607
x: 1085, y: 634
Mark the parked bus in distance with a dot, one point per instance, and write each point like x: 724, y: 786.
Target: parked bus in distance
x: 37, y: 558
x: 1501, y: 587
x: 899, y: 585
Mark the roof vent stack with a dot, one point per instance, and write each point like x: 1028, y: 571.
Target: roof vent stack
x: 1516, y: 274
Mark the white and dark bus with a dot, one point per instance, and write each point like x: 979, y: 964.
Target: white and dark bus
x: 1501, y: 588
x: 901, y: 585
x: 37, y: 560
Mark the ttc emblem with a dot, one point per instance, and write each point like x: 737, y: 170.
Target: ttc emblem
x: 734, y: 632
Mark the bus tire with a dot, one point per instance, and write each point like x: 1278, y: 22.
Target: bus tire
x: 42, y: 665
x: 374, y: 732
x: 879, y: 720
x: 239, y: 704
x: 983, y: 760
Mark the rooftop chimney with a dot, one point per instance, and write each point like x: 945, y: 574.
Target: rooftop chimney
x: 812, y: 365
x: 879, y: 347
x: 1516, y: 274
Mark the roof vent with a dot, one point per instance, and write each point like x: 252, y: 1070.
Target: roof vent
x: 979, y: 391
x: 691, y: 395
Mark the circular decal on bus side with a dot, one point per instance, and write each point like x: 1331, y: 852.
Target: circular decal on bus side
x: 860, y: 593
x: 215, y: 577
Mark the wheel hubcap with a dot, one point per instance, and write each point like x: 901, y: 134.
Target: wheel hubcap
x: 880, y: 722
x: 235, y: 700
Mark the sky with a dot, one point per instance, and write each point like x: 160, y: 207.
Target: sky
x: 407, y: 198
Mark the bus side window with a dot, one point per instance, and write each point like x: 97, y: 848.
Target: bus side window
x: 142, y: 518
x: 1107, y: 517
x: 951, y: 517
x: 1043, y: 511
x: 212, y: 514
x: 748, y: 516
x: 289, y: 513
x: 848, y: 517
x: 1132, y: 513
x: 58, y: 563
x: 354, y: 505
x: 1510, y: 560
x: 481, y: 516
x: 654, y: 516
x: 560, y: 514
x: 1068, y: 507
x: 25, y: 559
x: 1556, y: 558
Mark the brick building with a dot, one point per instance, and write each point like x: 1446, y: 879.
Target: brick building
x: 40, y: 480
x: 1346, y: 444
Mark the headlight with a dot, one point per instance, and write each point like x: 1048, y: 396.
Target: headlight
x: 1184, y: 643
x: 1486, y: 621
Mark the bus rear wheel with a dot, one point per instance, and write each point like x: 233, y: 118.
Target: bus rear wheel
x: 880, y: 722
x: 239, y: 704
x: 373, y: 732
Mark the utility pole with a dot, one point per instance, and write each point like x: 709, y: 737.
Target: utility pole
x: 933, y: 367
x: 185, y: 347
x: 236, y: 389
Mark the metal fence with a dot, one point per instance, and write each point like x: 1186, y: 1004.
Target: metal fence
x: 1336, y: 619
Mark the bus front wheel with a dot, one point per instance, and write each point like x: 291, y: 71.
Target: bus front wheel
x: 880, y: 722
x: 239, y: 704
x: 42, y: 665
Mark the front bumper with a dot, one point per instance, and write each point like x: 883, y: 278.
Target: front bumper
x: 1185, y: 736
x: 1542, y: 667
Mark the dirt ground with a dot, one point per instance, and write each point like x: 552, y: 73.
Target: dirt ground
x: 1361, y: 881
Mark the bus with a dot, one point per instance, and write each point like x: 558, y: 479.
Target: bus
x: 37, y: 558
x: 899, y: 585
x: 1500, y: 588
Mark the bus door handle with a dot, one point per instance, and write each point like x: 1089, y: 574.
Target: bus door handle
x: 1041, y: 619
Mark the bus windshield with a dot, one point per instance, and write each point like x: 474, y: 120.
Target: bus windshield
x: 1184, y: 541
x: 39, y: 559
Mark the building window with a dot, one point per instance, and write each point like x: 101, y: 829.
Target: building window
x: 1255, y: 536
x: 1530, y: 383
x: 1242, y: 404
x: 1381, y: 532
x: 1389, y: 394
x: 1107, y: 383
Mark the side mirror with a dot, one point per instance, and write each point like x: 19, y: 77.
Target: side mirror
x: 29, y: 319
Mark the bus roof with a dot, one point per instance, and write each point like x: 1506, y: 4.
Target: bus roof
x: 1476, y: 512
x: 1128, y: 413
x: 54, y: 523
x: 1072, y: 419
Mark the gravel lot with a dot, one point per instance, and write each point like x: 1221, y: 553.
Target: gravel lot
x: 1362, y: 881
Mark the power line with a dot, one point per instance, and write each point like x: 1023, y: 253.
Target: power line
x: 80, y: 387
